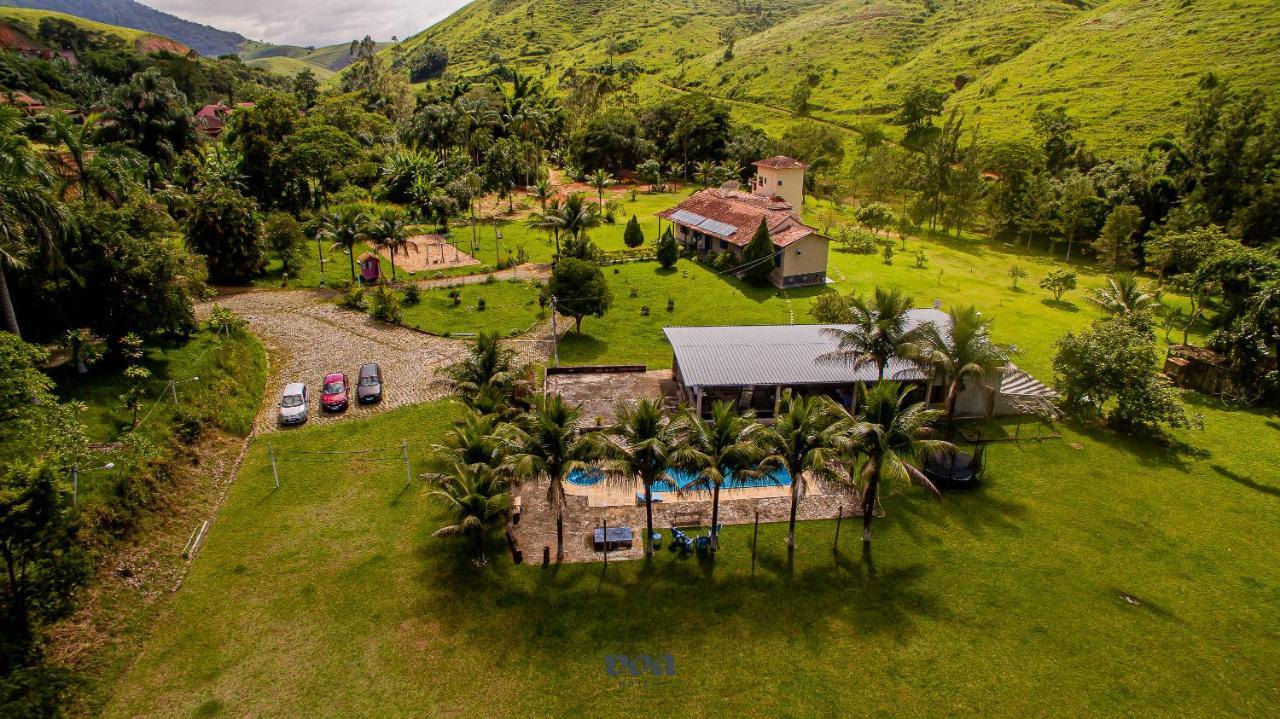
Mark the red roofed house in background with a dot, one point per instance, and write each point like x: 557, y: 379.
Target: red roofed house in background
x: 724, y: 220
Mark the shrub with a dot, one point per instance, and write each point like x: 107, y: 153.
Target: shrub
x: 671, y: 304
x: 1059, y: 282
x: 921, y: 258
x: 887, y: 254
x: 480, y: 305
x: 412, y: 295
x: 353, y: 298
x: 384, y: 307
x: 858, y: 242
x: 667, y: 249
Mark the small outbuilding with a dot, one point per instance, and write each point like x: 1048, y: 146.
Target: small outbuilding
x: 370, y: 267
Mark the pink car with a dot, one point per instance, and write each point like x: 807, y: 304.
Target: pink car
x: 334, y: 396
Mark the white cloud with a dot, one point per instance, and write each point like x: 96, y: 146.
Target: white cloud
x: 312, y: 22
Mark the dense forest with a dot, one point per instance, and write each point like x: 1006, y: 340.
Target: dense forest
x: 119, y: 210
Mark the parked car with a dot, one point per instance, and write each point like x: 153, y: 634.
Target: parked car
x: 335, y: 396
x: 293, y: 404
x: 369, y: 386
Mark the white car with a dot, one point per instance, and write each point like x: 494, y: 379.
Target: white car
x: 293, y: 404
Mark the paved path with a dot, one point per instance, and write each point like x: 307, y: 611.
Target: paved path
x: 308, y: 336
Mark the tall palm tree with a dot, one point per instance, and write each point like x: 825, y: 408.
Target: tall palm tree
x: 476, y: 498
x: 705, y: 171
x: 550, y: 442
x: 723, y: 447
x: 601, y: 180
x: 475, y: 439
x: 388, y: 230
x: 344, y: 226
x: 880, y: 332
x: 963, y: 351
x: 1123, y: 296
x: 806, y: 439
x: 895, y: 437
x: 31, y: 220
x: 643, y: 442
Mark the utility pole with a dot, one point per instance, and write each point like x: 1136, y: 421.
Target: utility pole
x: 555, y: 337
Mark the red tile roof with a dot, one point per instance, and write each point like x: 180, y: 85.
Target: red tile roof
x: 742, y: 212
x: 781, y: 162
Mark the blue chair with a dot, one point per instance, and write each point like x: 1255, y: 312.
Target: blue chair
x: 704, y: 544
x: 680, y: 540
x: 656, y: 539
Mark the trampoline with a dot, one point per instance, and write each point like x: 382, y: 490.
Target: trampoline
x: 953, y: 471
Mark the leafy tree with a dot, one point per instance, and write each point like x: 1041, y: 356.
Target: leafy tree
x: 306, y: 87
x: 805, y: 439
x: 758, y: 256
x: 831, y: 308
x: 110, y: 170
x: 919, y: 106
x: 646, y: 441
x: 1059, y: 282
x: 633, y: 236
x: 874, y: 215
x: 719, y: 449
x: 688, y: 129
x: 261, y: 134
x: 880, y: 332
x: 963, y: 352
x: 1036, y: 208
x: 136, y: 378
x: 821, y: 146
x: 939, y: 156
x: 1180, y: 252
x: 283, y: 235
x: 319, y: 153
x: 550, y: 442
x: 1076, y: 199
x: 580, y: 290
x: 896, y: 437
x: 667, y: 250
x: 1109, y: 369
x: 1016, y: 272
x: 388, y: 230
x: 965, y: 187
x: 651, y: 172
x: 1115, y: 245
x: 1056, y: 129
x: 610, y: 140
x: 43, y: 559
x: 800, y: 97
x: 224, y: 227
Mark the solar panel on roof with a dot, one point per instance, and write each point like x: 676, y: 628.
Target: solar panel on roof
x: 687, y: 217
x: 717, y: 228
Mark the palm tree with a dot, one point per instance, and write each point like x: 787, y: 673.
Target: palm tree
x: 106, y: 170
x: 549, y: 220
x: 963, y: 351
x: 880, y: 332
x: 550, y: 442
x: 577, y: 215
x: 31, y: 220
x: 1123, y: 296
x: 644, y: 440
x: 344, y: 226
x: 542, y: 190
x: 705, y: 171
x: 601, y: 180
x: 487, y: 366
x: 476, y: 498
x: 895, y: 438
x: 476, y: 439
x: 718, y: 449
x: 388, y: 230
x: 806, y: 438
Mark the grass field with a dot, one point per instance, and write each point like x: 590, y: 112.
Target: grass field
x: 511, y: 307
x: 327, y: 597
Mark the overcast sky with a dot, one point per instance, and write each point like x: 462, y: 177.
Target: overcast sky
x: 312, y: 22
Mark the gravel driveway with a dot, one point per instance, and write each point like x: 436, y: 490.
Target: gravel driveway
x: 308, y: 336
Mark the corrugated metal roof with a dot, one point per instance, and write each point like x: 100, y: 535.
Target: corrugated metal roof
x: 738, y: 356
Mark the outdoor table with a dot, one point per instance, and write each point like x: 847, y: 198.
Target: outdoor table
x: 618, y: 536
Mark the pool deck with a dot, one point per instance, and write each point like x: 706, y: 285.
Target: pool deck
x: 589, y: 507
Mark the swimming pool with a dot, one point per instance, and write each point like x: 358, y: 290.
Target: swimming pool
x: 678, y: 479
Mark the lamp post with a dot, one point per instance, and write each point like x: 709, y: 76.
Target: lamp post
x: 75, y: 478
x: 320, y: 252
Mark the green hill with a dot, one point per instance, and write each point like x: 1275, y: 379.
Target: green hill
x: 324, y: 61
x: 1123, y: 67
x: 19, y: 29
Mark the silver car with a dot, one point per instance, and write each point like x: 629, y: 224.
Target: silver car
x: 293, y: 404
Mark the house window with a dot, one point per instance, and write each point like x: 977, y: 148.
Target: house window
x: 777, y: 259
x: 724, y: 245
x: 779, y: 183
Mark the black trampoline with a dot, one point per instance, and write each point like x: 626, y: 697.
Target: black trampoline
x: 953, y: 471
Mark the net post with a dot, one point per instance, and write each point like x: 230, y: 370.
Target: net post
x: 404, y: 454
x: 275, y: 473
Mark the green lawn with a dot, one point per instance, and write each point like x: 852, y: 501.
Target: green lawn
x: 328, y: 597
x: 511, y: 307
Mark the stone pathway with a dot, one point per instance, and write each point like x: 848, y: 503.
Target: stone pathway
x: 309, y: 336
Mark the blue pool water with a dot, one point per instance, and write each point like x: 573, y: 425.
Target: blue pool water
x: 677, y: 479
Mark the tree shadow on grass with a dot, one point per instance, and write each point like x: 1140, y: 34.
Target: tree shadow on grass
x: 1244, y: 481
x: 583, y: 348
x: 1064, y: 305
x: 1147, y: 450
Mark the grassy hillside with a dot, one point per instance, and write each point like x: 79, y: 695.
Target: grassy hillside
x: 283, y: 65
x: 324, y: 61
x: 128, y: 13
x: 26, y: 21
x: 998, y: 58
